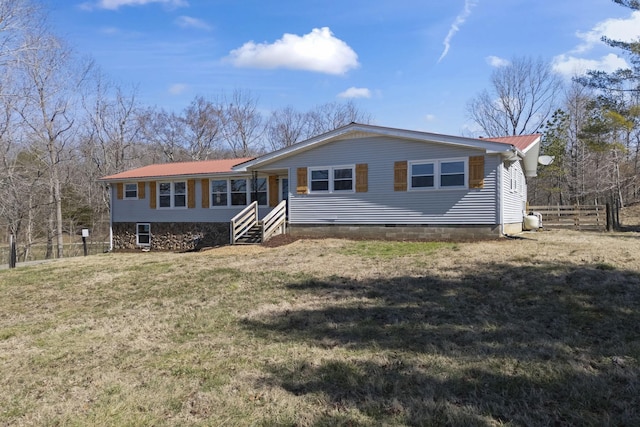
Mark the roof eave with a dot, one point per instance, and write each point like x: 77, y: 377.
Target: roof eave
x: 488, y: 146
x: 171, y: 177
x: 530, y: 160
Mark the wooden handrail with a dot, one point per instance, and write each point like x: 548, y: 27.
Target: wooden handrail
x: 274, y: 221
x: 243, y: 221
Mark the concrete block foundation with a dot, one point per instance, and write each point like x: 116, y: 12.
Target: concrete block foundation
x: 397, y: 232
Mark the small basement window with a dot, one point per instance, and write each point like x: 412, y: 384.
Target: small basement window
x: 143, y: 234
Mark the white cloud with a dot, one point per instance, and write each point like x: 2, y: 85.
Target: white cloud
x: 116, y: 4
x: 318, y: 51
x: 430, y: 118
x: 455, y: 27
x: 178, y: 88
x: 496, y: 61
x: 571, y: 66
x: 190, y: 22
x: 110, y: 31
x: 616, y: 29
x: 355, y: 92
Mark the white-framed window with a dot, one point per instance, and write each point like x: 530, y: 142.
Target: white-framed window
x: 219, y: 192
x: 172, y: 194
x: 423, y: 175
x: 513, y: 175
x: 452, y: 173
x: 332, y: 179
x: 131, y: 191
x: 438, y: 174
x: 237, y: 192
x: 238, y: 188
x: 143, y: 234
x: 319, y: 179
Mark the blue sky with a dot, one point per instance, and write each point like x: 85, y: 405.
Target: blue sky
x: 409, y: 63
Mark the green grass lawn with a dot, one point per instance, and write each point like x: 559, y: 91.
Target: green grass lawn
x: 542, y: 331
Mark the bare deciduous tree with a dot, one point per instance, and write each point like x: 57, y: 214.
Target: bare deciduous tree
x: 203, y: 125
x: 112, y: 126
x: 330, y: 116
x: 19, y: 20
x: 243, y: 124
x: 166, y: 132
x: 49, y: 80
x: 286, y: 127
x: 521, y: 98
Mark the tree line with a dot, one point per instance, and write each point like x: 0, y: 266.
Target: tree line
x: 64, y: 124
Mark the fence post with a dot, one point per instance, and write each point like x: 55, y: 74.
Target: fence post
x: 618, y: 206
x: 609, y: 216
x: 12, y: 252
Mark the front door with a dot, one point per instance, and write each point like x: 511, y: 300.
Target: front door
x: 284, y: 189
x: 284, y: 192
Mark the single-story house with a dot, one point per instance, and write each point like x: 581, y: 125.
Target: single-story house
x: 359, y: 181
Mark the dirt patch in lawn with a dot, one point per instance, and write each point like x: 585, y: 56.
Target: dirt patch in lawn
x: 279, y: 240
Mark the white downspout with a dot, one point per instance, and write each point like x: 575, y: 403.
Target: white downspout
x: 110, y: 218
x: 500, y: 196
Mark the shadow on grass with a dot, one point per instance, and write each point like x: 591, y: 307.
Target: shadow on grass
x: 551, y: 344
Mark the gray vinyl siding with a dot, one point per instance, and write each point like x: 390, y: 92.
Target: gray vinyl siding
x: 381, y: 204
x: 139, y: 211
x: 513, y: 201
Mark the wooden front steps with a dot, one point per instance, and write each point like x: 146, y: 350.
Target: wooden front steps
x: 252, y: 236
x: 246, y: 229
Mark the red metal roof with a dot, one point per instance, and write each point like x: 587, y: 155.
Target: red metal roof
x: 521, y: 142
x: 202, y: 167
x: 208, y: 167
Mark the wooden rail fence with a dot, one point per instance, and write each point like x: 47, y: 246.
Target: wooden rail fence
x: 576, y: 217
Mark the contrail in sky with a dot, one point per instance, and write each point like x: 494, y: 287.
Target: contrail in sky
x: 455, y: 27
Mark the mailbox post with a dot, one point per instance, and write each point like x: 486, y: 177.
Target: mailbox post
x: 85, y: 234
